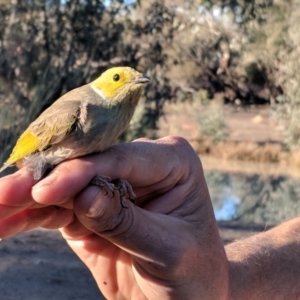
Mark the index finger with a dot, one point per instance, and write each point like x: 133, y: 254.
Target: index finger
x: 151, y: 164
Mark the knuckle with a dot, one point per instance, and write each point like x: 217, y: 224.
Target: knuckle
x: 180, y: 143
x: 183, y: 148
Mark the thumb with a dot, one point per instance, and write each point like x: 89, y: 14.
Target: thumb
x: 102, y: 212
x: 143, y: 234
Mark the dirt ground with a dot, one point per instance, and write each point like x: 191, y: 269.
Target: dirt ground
x: 38, y: 265
x: 245, y: 124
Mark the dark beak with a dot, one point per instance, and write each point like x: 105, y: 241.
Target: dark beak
x: 141, y: 79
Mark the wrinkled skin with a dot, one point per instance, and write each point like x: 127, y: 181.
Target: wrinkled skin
x: 166, y: 246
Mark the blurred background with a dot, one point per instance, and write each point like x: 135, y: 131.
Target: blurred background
x: 224, y: 75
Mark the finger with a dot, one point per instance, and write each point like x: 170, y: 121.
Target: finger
x: 64, y: 182
x: 75, y: 231
x: 15, y: 194
x: 48, y: 217
x: 9, y: 210
x: 16, y: 189
x: 126, y: 161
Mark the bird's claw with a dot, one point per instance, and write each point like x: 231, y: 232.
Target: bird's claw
x: 109, y: 186
x: 104, y: 182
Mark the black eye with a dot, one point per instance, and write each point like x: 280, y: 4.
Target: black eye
x: 116, y: 77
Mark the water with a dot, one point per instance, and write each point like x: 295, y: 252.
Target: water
x: 254, y: 197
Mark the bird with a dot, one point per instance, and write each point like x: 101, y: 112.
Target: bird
x: 85, y: 120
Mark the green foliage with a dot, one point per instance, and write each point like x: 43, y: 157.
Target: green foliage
x: 287, y: 112
x: 243, y: 11
x: 267, y: 65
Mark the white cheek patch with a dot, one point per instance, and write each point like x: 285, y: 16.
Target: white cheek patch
x: 99, y: 92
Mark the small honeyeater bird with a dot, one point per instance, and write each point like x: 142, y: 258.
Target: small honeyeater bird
x: 85, y: 120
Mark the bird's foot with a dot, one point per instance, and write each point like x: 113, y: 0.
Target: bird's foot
x: 110, y: 186
x: 125, y: 190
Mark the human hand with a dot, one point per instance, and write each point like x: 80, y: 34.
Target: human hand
x: 166, y: 246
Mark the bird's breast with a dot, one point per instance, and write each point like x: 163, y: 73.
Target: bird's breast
x: 101, y: 129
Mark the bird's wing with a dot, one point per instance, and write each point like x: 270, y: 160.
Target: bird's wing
x: 48, y: 129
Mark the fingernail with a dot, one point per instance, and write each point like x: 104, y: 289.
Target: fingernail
x: 96, y: 207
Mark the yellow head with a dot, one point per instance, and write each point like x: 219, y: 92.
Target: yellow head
x: 119, y: 83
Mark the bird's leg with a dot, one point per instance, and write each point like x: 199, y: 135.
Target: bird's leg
x: 124, y: 188
x: 104, y: 182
